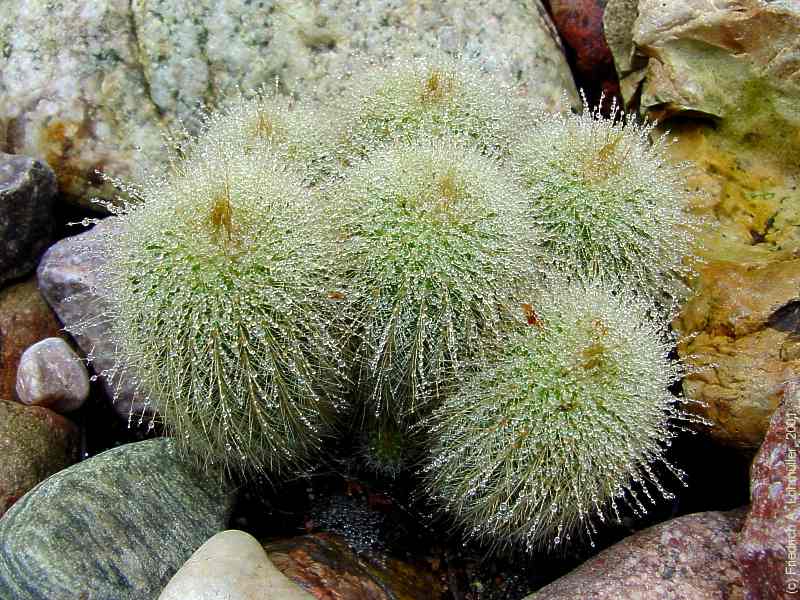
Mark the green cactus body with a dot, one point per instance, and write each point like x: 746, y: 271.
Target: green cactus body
x: 430, y: 97
x: 614, y: 208
x: 216, y: 286
x: 434, y: 245
x: 290, y: 131
x: 562, y: 425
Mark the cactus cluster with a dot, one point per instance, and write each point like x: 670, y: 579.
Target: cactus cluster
x: 464, y: 281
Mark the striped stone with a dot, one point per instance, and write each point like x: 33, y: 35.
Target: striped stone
x: 114, y: 527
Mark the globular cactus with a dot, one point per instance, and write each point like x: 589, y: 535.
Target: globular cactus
x: 434, y: 245
x: 562, y: 425
x: 217, y: 292
x: 615, y: 208
x: 264, y: 122
x: 432, y: 96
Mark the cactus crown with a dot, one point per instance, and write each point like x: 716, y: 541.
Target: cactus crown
x: 401, y: 246
x: 430, y: 97
x: 615, y: 207
x: 435, y: 245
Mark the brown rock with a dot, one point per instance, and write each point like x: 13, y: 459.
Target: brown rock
x: 35, y: 443
x: 688, y: 557
x: 745, y: 344
x: 327, y: 567
x: 768, y: 544
x: 25, y: 318
x: 736, y: 64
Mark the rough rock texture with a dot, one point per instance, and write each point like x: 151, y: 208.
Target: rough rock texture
x: 25, y: 318
x: 768, y: 544
x: 66, y: 278
x: 688, y: 557
x: 34, y: 444
x: 748, y: 345
x: 115, y: 526
x: 27, y: 187
x: 725, y: 76
x: 326, y: 566
x: 232, y: 565
x: 734, y: 61
x: 618, y: 20
x: 580, y: 23
x: 50, y: 374
x: 84, y: 102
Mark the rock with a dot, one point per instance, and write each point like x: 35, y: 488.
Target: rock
x: 34, y: 443
x: 724, y: 83
x: 687, y: 557
x: 767, y: 548
x: 84, y: 103
x: 232, y: 565
x: 25, y: 318
x: 118, y: 525
x: 50, y: 374
x: 736, y: 64
x: 618, y: 21
x: 27, y: 187
x: 326, y: 566
x: 67, y: 279
x: 746, y: 344
x: 580, y: 23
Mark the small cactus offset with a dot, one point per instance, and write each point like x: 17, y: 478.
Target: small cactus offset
x: 434, y: 246
x: 614, y: 207
x: 217, y: 293
x: 562, y: 426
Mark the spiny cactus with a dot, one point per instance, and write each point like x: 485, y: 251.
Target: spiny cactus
x: 614, y: 206
x: 563, y: 425
x: 434, y: 245
x: 266, y: 123
x: 218, y: 299
x: 431, y: 96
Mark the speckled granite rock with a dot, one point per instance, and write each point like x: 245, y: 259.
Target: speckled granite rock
x: 736, y: 67
x: 326, y: 566
x: 50, y: 374
x: 65, y: 276
x: 116, y: 526
x: 768, y: 543
x: 232, y: 565
x: 27, y: 187
x: 25, y: 318
x: 34, y: 444
x: 83, y: 103
x: 689, y: 557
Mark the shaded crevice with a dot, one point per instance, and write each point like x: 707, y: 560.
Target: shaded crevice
x: 787, y: 319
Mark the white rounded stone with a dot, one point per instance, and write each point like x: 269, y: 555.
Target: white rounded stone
x: 231, y: 565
